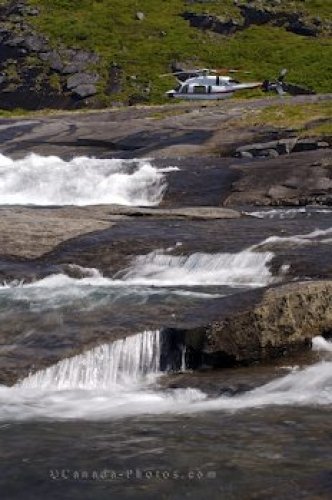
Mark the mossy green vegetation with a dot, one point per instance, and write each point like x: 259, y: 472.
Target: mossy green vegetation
x: 145, y: 48
x: 307, y: 119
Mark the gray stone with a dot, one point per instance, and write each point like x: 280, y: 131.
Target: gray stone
x: 292, y: 183
x: 278, y: 322
x: 86, y: 57
x: 80, y: 79
x: 55, y: 61
x: 44, y: 56
x: 321, y: 185
x: 203, y: 213
x: 83, y: 91
x: 140, y: 16
x: 15, y: 42
x: 278, y: 192
x: 282, y: 146
x: 79, y: 61
x: 286, y: 146
x: 257, y: 147
x: 53, y: 58
x: 269, y: 153
x: 245, y: 154
x: 35, y: 43
x: 72, y: 68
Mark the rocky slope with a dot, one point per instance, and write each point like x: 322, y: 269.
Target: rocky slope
x: 70, y: 56
x: 35, y: 75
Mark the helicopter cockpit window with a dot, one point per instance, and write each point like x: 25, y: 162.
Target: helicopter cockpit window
x: 178, y: 87
x: 184, y: 89
x: 199, y: 89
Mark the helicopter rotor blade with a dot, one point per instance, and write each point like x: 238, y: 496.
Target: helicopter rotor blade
x: 173, y: 74
x: 221, y: 71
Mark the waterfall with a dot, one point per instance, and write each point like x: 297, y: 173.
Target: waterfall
x: 39, y: 180
x: 160, y: 269
x: 123, y: 362
x: 112, y: 381
x: 321, y: 344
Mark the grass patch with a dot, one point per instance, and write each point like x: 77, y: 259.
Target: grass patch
x: 145, y: 49
x: 307, y: 119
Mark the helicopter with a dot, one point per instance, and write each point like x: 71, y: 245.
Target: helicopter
x: 209, y: 84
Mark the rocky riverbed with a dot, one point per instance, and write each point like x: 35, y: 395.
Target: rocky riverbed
x: 163, y: 232
x: 165, y: 304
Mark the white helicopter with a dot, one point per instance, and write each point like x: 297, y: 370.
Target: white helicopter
x: 209, y: 84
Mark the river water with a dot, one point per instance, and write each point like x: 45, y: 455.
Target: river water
x: 108, y: 423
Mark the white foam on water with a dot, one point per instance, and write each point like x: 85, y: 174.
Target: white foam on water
x: 316, y: 236
x: 287, y: 213
x: 277, y: 213
x: 120, y: 380
x: 59, y: 291
x: 156, y: 273
x: 247, y: 268
x: 120, y: 363
x: 321, y: 344
x: 49, y: 180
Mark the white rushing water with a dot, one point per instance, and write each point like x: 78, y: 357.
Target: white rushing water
x: 116, y: 380
x: 153, y: 273
x: 48, y: 180
x: 160, y: 269
x: 157, y: 273
x: 122, y: 362
x: 288, y: 213
x: 316, y: 236
x: 321, y: 344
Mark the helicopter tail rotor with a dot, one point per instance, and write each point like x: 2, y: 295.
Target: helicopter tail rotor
x: 277, y: 85
x: 282, y: 87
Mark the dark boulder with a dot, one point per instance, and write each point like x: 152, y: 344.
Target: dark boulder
x: 217, y: 24
x: 302, y: 27
x: 309, y: 144
x: 115, y: 79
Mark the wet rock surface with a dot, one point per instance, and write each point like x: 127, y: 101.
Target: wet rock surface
x: 296, y: 180
x: 171, y: 131
x: 212, y: 205
x: 39, y: 335
x: 265, y: 326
